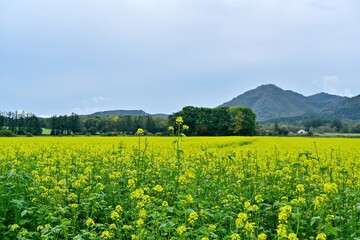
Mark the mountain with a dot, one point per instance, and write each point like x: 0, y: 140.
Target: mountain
x: 126, y: 113
x: 349, y: 109
x: 324, y: 100
x: 271, y: 102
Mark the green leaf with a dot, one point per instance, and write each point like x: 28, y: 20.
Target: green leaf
x: 330, y: 230
x: 66, y: 222
x: 314, y: 219
x: 23, y: 213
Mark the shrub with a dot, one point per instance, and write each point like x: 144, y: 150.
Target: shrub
x: 6, y: 133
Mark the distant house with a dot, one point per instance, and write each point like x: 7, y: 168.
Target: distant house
x: 301, y: 132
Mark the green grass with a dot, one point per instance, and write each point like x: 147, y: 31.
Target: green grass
x: 342, y: 134
x: 46, y: 131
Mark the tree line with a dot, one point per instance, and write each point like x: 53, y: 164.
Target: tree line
x: 65, y: 125
x: 19, y: 123
x: 220, y: 121
x: 311, y: 126
x: 123, y: 125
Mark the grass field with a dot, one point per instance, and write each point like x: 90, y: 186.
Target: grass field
x: 179, y: 188
x: 46, y: 131
x: 342, y: 135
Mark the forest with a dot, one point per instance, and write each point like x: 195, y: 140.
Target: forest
x: 220, y: 121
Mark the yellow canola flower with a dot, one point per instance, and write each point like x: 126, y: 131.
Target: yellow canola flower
x: 262, y: 236
x: 131, y: 183
x: 142, y: 213
x: 247, y: 206
x: 140, y: 132
x: 235, y: 236
x: 73, y: 205
x: 106, y: 235
x: 259, y: 199
x: 317, y: 202
x: 193, y: 217
x: 118, y: 209
x: 140, y: 204
x: 90, y: 222
x: 281, y: 231
x: 146, y: 198
x: 293, y: 236
x: 212, y: 227
x: 158, y: 188
x: 72, y: 197
x: 182, y: 179
x: 180, y: 230
x: 138, y: 193
x: 249, y: 227
x: 179, y: 120
x: 128, y: 227
x: 165, y: 204
x: 140, y: 222
x: 134, y: 237
x: 329, y: 217
x: 285, y: 213
x: 24, y: 232
x: 114, y: 215
x: 100, y: 186
x: 14, y: 227
x: 300, y: 188
x: 189, y: 198
x: 298, y: 201
x: 330, y: 188
x: 321, y: 236
x: 241, y: 219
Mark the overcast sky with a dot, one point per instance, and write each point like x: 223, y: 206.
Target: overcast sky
x: 63, y: 56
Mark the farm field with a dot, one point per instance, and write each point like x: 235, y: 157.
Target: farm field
x: 179, y: 188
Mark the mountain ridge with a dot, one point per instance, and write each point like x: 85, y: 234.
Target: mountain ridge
x: 269, y: 101
x: 108, y: 113
x: 272, y: 103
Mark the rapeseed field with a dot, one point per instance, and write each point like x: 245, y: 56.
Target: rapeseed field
x: 179, y: 188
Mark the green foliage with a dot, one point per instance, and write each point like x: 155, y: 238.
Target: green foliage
x: 20, y: 123
x: 122, y: 125
x: 65, y: 125
x: 6, y: 133
x: 232, y: 188
x: 221, y: 121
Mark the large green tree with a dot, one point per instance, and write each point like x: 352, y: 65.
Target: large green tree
x: 221, y: 121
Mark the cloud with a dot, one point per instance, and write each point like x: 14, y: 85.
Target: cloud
x: 347, y: 92
x: 130, y: 54
x: 332, y: 84
x: 100, y: 99
x: 94, y: 104
x: 86, y: 110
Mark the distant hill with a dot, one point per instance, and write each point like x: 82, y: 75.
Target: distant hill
x: 271, y: 102
x: 325, y: 100
x: 349, y: 109
x: 126, y: 113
